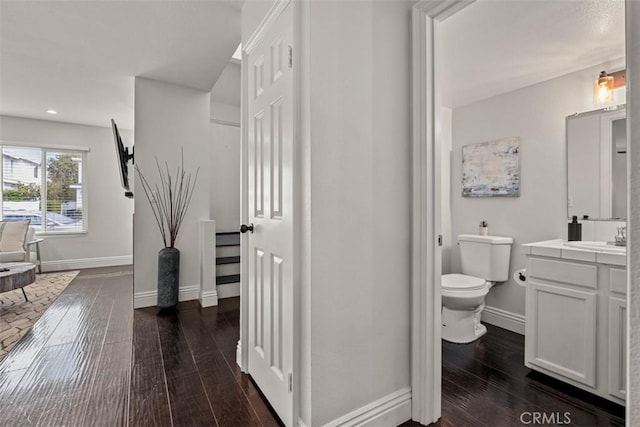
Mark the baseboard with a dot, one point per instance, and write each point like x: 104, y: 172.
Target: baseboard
x: 187, y: 293
x: 239, y: 354
x: 391, y: 410
x: 209, y: 299
x: 150, y: 298
x: 513, y: 322
x: 145, y: 299
x: 228, y: 290
x: 79, y: 264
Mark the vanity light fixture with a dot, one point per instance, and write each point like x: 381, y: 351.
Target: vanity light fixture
x: 603, y: 90
x: 52, y: 112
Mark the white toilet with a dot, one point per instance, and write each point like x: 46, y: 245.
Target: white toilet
x: 485, y: 261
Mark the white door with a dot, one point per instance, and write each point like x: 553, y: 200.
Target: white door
x: 270, y: 184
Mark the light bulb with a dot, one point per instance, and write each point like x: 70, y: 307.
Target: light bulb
x: 603, y: 89
x: 604, y: 94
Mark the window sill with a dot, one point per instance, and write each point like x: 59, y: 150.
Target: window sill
x: 49, y: 234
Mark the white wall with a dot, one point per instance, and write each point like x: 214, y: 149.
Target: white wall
x: 225, y: 150
x: 359, y: 158
x: 537, y: 115
x: 167, y: 118
x: 224, y: 113
x: 448, y: 244
x: 108, y: 240
x: 227, y: 87
x: 225, y: 177
x: 253, y: 12
x: 633, y: 133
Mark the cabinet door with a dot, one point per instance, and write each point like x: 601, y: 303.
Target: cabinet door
x: 617, y: 347
x: 561, y: 331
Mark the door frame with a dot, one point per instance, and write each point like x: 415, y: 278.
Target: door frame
x: 426, y: 357
x: 242, y: 357
x: 426, y: 305
x: 632, y: 32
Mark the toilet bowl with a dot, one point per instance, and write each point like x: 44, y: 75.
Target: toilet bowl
x: 462, y: 304
x: 484, y: 261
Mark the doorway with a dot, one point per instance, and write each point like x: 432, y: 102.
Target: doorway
x: 427, y: 127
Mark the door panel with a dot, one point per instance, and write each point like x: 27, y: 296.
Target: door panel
x: 271, y: 264
x: 561, y: 331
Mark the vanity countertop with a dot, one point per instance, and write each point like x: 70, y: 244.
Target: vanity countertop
x: 559, y: 248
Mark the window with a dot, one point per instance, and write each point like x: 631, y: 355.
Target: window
x: 56, y: 194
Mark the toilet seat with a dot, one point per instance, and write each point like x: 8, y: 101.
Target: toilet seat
x: 461, y: 282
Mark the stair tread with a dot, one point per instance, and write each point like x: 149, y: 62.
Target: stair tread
x: 231, y: 278
x: 227, y: 260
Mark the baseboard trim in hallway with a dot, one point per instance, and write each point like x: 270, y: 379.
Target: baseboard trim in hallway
x: 390, y: 410
x: 150, y: 298
x: 86, y: 263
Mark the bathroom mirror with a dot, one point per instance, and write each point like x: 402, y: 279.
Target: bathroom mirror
x: 597, y: 164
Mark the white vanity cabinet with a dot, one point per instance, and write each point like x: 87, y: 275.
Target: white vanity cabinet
x: 576, y: 318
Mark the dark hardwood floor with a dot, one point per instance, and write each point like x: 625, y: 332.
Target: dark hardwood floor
x: 72, y: 367
x: 184, y: 371
x: 485, y: 383
x: 91, y: 360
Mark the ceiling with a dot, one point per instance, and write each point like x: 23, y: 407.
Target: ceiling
x: 493, y: 47
x: 80, y: 57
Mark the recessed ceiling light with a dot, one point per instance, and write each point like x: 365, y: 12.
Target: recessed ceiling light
x: 52, y: 112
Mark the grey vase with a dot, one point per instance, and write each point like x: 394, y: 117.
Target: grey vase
x: 168, y: 277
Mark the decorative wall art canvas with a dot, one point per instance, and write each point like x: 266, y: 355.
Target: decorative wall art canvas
x: 491, y: 169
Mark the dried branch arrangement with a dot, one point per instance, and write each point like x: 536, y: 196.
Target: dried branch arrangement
x: 169, y: 198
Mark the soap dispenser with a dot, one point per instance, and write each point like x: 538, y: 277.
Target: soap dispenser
x: 484, y: 228
x: 575, y: 229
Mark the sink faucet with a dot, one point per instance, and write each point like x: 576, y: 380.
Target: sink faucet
x: 621, y: 237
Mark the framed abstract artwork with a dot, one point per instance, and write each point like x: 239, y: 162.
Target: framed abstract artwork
x: 491, y: 169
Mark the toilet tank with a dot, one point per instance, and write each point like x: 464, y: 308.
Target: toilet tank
x: 486, y: 257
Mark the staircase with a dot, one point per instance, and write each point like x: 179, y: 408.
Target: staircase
x: 228, y: 264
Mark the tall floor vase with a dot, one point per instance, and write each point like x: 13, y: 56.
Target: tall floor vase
x: 168, y: 277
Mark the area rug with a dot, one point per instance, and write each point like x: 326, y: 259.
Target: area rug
x: 17, y: 316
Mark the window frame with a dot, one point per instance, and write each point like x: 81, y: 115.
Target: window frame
x: 44, y: 149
